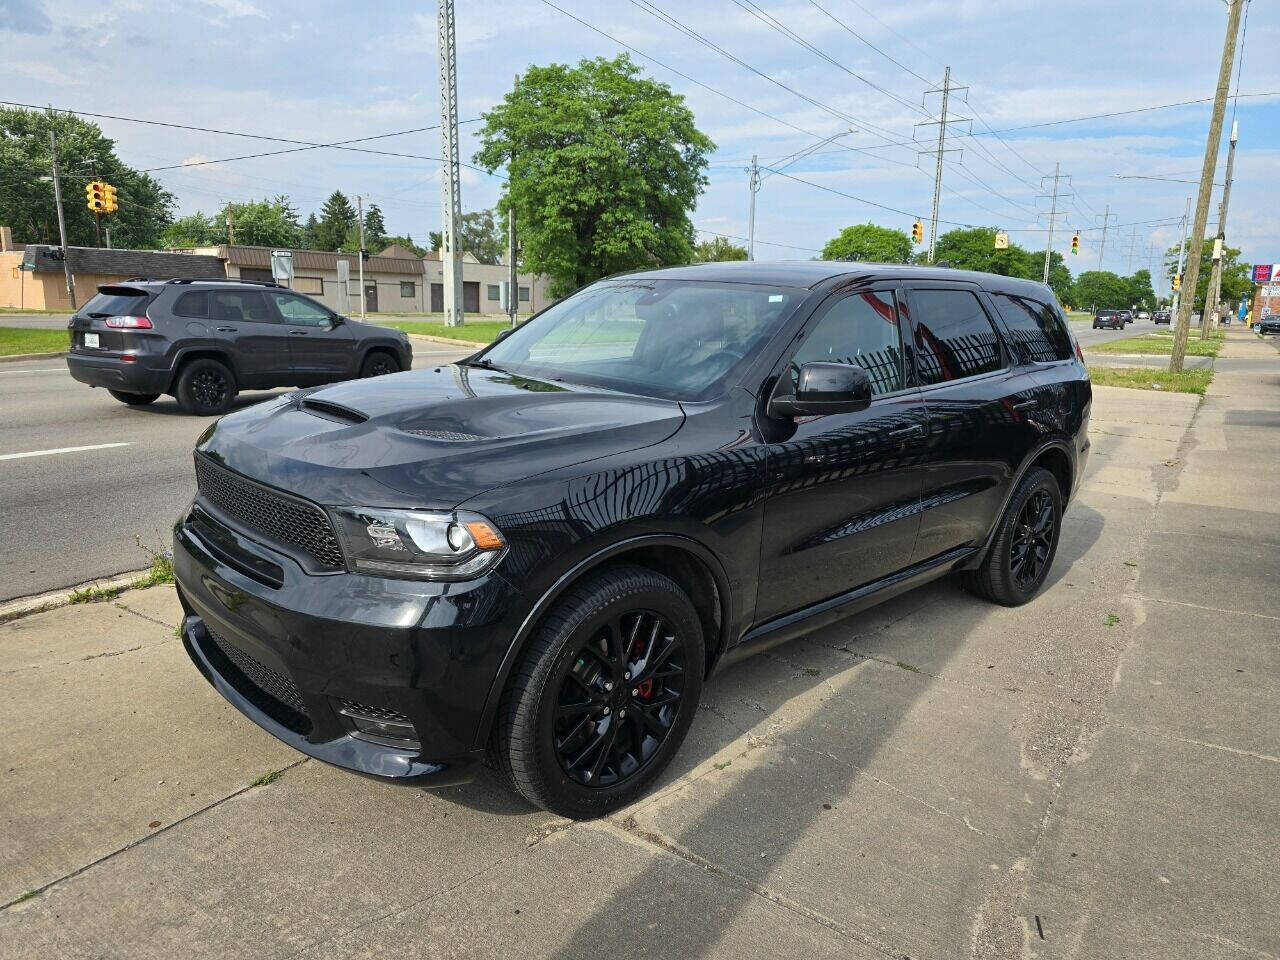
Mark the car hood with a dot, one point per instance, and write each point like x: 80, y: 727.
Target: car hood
x: 431, y: 438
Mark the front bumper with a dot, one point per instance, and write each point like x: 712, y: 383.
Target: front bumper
x: 116, y: 374
x: 294, y: 654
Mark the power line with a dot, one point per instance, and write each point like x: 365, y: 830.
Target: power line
x: 1123, y: 113
x: 859, y: 36
x: 767, y: 243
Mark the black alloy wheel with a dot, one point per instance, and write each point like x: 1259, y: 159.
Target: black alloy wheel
x: 1021, y: 552
x: 206, y: 387
x: 379, y: 365
x: 618, y: 699
x: 604, y: 693
x: 1033, y: 542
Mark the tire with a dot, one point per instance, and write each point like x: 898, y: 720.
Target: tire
x: 379, y: 363
x: 1000, y: 578
x: 206, y: 387
x: 134, y: 399
x: 552, y: 758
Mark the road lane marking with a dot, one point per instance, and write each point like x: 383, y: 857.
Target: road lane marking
x: 41, y: 370
x: 45, y: 453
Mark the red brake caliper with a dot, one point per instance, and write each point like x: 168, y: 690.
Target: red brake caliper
x: 644, y: 689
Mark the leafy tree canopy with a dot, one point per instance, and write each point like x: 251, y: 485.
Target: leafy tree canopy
x: 1102, y: 290
x: 196, y: 230
x: 27, y: 203
x: 974, y: 248
x: 604, y: 167
x: 479, y: 234
x: 375, y: 229
x: 264, y: 223
x: 337, y: 217
x: 1236, y: 279
x: 718, y: 249
x: 866, y: 241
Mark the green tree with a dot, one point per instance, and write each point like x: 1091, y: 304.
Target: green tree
x: 604, y: 167
x: 407, y: 242
x: 336, y: 219
x: 718, y: 249
x: 262, y: 223
x: 1236, y: 281
x: 196, y: 230
x: 866, y: 241
x: 975, y: 249
x: 375, y: 229
x: 479, y: 234
x: 1101, y: 289
x: 1140, y: 294
x: 26, y: 200
x: 309, y: 229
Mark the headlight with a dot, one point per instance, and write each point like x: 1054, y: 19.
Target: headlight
x: 419, y: 544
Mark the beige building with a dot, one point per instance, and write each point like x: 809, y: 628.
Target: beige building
x: 482, y: 286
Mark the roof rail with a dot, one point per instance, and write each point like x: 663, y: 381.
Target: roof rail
x: 259, y: 283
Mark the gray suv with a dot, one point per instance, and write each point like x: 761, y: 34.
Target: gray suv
x: 205, y: 340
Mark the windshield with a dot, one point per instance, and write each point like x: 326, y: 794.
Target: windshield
x: 675, y: 339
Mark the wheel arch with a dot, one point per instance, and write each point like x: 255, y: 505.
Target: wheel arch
x: 1056, y: 456
x: 689, y: 563
x: 187, y: 354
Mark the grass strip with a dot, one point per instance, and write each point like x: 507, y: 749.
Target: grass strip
x: 1145, y: 378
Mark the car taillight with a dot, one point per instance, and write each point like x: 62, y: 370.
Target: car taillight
x: 128, y: 323
x: 1079, y: 352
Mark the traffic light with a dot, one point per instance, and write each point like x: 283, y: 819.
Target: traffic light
x: 364, y: 254
x: 109, y: 198
x: 1075, y: 243
x: 1177, y: 281
x: 93, y: 195
x: 917, y: 232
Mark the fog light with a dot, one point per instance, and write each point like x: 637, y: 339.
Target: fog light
x: 379, y: 725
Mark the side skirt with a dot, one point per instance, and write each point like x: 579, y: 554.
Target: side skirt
x: 818, y: 615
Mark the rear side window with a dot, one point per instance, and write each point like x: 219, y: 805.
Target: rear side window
x: 954, y: 338
x: 1035, y: 327
x: 239, y: 305
x: 194, y: 304
x: 118, y: 302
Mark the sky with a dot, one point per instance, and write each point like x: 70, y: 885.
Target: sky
x: 807, y: 70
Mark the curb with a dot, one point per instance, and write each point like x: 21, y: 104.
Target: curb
x: 39, y: 603
x: 18, y: 357
x: 453, y: 343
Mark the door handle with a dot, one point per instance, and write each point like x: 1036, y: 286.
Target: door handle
x: 297, y: 333
x: 915, y: 430
x: 225, y: 329
x: 1026, y: 404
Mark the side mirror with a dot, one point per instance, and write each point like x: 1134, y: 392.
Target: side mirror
x: 337, y: 320
x: 502, y: 335
x: 824, y: 389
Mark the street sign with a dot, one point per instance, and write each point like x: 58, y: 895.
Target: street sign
x: 1262, y: 273
x: 282, y: 267
x: 1002, y: 241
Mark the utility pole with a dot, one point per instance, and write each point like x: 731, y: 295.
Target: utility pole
x: 360, y: 222
x: 1053, y: 218
x: 1106, y: 221
x: 108, y: 232
x: 1182, y: 253
x: 1179, y: 353
x: 1133, y: 238
x: 231, y: 227
x: 944, y: 118
x: 1209, y: 321
x: 513, y: 281
x: 450, y: 180
x: 62, y: 223
x: 753, y: 186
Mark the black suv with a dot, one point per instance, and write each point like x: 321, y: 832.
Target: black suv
x: 203, y: 341
x: 1111, y: 319
x: 543, y: 550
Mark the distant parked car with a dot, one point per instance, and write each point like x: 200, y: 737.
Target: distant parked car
x: 205, y: 340
x: 1108, y: 319
x: 1143, y: 315
x: 1269, y: 325
x: 1161, y: 316
x: 1126, y: 316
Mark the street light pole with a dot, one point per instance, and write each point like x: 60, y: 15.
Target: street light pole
x: 753, y: 185
x: 62, y: 223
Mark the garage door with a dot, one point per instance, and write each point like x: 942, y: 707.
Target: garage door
x: 471, y: 296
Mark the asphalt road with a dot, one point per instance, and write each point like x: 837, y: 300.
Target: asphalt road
x: 71, y: 515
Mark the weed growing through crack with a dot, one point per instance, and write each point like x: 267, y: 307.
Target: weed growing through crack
x: 267, y: 778
x: 1111, y: 620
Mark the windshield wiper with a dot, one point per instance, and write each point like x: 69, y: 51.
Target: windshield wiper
x: 484, y: 363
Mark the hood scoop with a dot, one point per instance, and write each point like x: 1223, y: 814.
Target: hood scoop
x: 447, y: 436
x: 332, y: 411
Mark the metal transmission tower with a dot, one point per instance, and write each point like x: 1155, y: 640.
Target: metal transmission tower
x: 450, y: 179
x: 1133, y: 239
x: 1053, y: 197
x: 1182, y: 253
x: 943, y: 119
x: 1106, y: 222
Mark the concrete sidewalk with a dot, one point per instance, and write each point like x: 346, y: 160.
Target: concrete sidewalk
x: 1092, y: 775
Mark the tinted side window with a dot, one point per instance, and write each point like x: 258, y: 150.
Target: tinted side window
x: 300, y: 311
x: 1035, y: 327
x: 238, y: 305
x: 954, y: 338
x: 858, y: 329
x: 194, y: 304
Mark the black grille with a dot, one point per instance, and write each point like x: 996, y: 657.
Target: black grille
x: 280, y: 517
x: 366, y: 712
x: 283, y: 692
